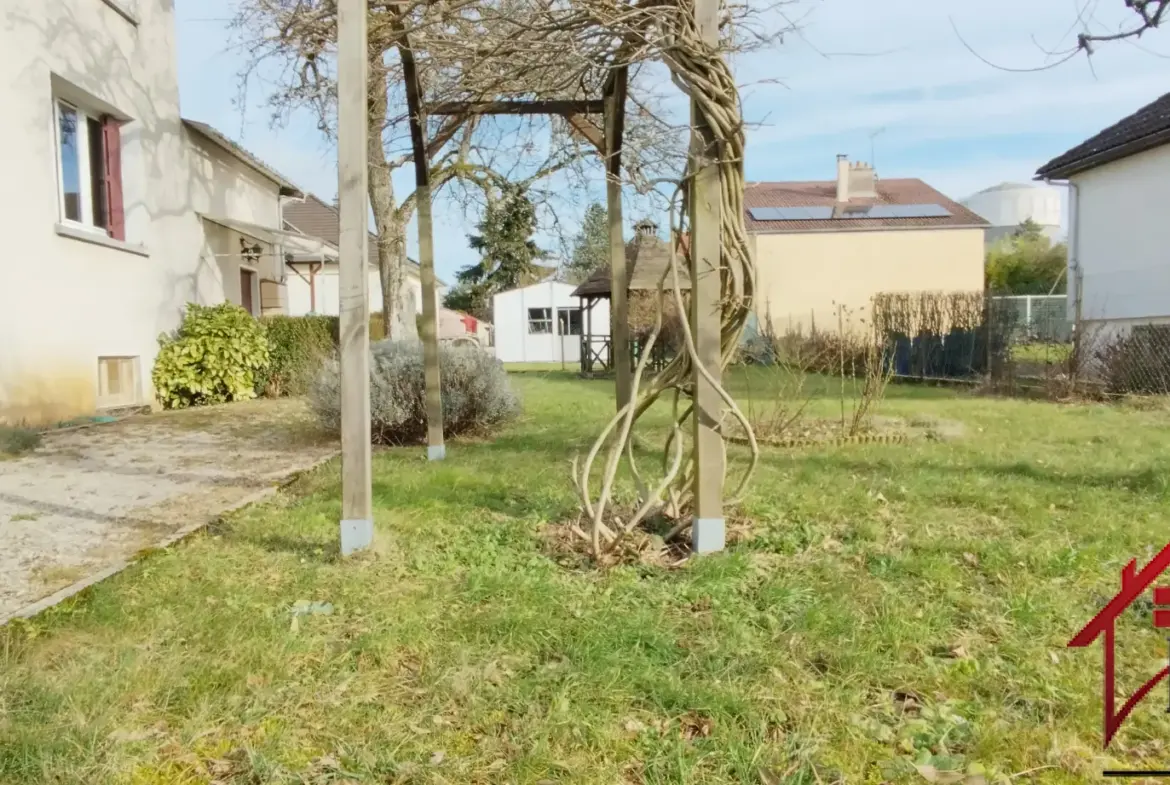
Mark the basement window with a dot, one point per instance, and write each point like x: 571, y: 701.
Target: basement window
x: 117, y: 382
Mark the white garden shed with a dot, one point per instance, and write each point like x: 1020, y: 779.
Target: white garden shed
x: 543, y: 323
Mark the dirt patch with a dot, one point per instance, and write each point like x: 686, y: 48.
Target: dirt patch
x: 93, y: 497
x: 828, y: 432
x: 647, y: 544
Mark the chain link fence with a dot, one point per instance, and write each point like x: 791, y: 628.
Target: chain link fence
x: 1006, y: 344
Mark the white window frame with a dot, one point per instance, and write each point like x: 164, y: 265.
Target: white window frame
x: 129, y: 397
x: 550, y: 321
x: 568, y: 325
x: 85, y: 173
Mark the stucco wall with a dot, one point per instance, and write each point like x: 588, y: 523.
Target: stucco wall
x: 804, y: 277
x: 65, y: 302
x: 224, y: 186
x: 1121, y: 238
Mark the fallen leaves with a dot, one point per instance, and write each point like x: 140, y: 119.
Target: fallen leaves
x: 693, y: 725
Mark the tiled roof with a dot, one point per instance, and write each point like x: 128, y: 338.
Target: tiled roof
x: 1145, y: 129
x: 318, y: 219
x: 824, y: 194
x: 647, y: 258
x: 287, y: 188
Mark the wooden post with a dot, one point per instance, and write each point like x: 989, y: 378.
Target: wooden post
x: 357, y: 523
x: 436, y: 449
x: 708, y: 532
x: 619, y: 317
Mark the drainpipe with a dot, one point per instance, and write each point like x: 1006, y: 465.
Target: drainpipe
x: 1074, y: 233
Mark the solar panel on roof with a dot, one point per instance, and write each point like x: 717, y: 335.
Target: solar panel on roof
x: 790, y: 213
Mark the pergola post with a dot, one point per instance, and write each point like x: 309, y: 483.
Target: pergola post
x: 708, y: 532
x: 357, y: 523
x: 436, y: 449
x: 619, y: 316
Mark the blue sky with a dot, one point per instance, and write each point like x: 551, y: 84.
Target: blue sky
x: 896, y: 68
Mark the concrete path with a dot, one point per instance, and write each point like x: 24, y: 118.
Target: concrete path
x: 86, y: 501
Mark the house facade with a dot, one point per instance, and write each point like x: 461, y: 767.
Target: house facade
x: 126, y: 213
x: 1119, y: 181
x: 314, y: 284
x: 100, y: 254
x: 823, y: 249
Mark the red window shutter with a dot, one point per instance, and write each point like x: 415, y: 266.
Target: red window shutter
x: 112, y: 137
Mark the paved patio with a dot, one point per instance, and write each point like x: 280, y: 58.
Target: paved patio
x: 84, y: 503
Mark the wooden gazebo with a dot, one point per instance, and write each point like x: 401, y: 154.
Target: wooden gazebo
x: 647, y: 260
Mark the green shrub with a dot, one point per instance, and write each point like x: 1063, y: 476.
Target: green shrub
x: 213, y: 357
x: 299, y: 346
x: 17, y: 441
x: 477, y: 396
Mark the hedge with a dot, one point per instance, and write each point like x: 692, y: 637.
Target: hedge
x: 299, y: 347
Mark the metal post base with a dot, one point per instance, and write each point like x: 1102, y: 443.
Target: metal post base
x: 437, y: 453
x: 356, y: 536
x: 708, y: 535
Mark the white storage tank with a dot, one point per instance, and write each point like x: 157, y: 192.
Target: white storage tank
x: 1007, y: 205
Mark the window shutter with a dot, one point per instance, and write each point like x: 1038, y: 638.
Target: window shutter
x: 112, y: 137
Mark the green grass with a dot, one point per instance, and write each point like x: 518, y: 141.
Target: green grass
x: 894, y: 604
x: 1045, y: 353
x: 15, y: 442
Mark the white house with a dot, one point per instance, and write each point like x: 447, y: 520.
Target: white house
x: 543, y: 323
x: 103, y: 245
x: 1007, y: 205
x: 313, y: 284
x: 1119, y: 236
x: 119, y: 211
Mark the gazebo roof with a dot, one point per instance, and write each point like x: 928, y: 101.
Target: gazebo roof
x: 647, y: 259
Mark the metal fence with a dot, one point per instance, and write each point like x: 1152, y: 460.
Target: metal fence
x: 1037, y: 318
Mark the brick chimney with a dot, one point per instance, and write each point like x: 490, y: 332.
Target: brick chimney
x: 862, y: 181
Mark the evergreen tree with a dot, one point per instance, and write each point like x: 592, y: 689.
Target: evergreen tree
x: 590, y: 247
x: 508, y: 255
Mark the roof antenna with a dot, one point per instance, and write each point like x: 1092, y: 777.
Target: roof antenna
x: 872, y: 154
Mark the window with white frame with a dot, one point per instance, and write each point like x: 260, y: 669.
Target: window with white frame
x: 569, y: 321
x: 89, y: 169
x: 117, y: 382
x: 540, y: 321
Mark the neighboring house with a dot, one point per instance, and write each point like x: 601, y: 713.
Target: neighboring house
x: 1119, y: 181
x: 314, y: 284
x: 820, y: 246
x: 1007, y: 205
x: 543, y: 323
x: 238, y: 200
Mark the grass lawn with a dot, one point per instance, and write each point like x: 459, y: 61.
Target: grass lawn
x: 896, y: 604
x: 1043, y: 353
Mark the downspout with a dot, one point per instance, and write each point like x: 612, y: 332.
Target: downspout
x: 1074, y: 234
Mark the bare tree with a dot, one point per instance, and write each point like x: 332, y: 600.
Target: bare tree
x: 1150, y: 15
x: 292, y: 42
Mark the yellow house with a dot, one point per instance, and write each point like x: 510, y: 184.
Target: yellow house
x: 824, y: 247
